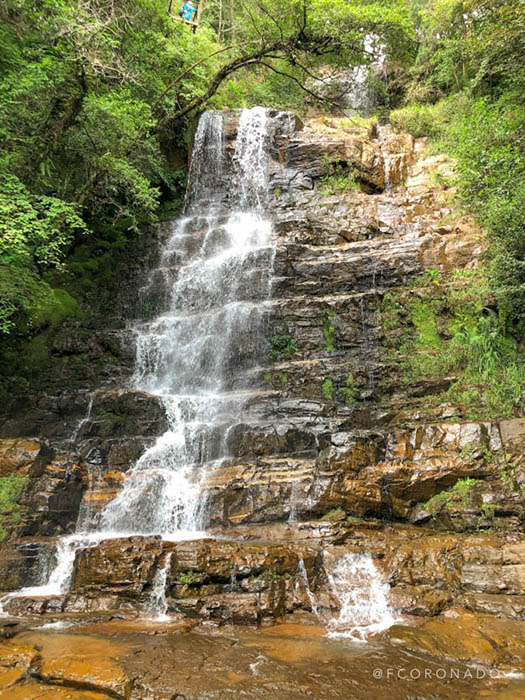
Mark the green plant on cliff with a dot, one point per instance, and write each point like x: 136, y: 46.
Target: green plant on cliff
x: 270, y: 576
x: 329, y: 330
x: 187, y: 578
x: 350, y: 391
x: 337, y: 177
x: 448, y: 330
x: 489, y: 510
x: 11, y: 488
x: 327, y: 387
x: 283, y: 347
x: 460, y: 494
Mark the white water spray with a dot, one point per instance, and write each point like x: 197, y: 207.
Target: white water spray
x: 363, y: 596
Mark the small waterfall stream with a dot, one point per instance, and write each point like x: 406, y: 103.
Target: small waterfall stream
x: 365, y: 610
x: 158, y: 604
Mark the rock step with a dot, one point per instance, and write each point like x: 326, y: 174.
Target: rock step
x: 208, y: 579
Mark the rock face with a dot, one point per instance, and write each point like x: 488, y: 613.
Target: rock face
x: 333, y: 453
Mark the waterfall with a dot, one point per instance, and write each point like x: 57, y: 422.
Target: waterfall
x: 363, y: 597
x: 216, y: 269
x: 190, y: 352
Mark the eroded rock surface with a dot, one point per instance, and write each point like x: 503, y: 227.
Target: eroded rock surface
x: 332, y: 454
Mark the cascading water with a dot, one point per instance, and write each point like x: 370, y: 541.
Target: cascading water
x: 216, y: 270
x: 157, y: 603
x: 363, y: 596
x: 189, y: 353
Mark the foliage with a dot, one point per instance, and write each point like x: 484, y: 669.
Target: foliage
x: 490, y: 148
x: 83, y: 85
x: 187, y: 578
x: 35, y: 232
x: 350, y: 391
x: 327, y: 387
x: 269, y: 575
x: 11, y: 488
x: 337, y: 177
x: 329, y: 331
x: 449, y: 330
x: 283, y: 347
x: 460, y: 493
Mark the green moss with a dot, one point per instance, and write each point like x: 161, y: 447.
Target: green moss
x: 36, y: 355
x: 460, y: 493
x: 11, y: 488
x: 327, y: 388
x: 333, y: 514
x: 56, y: 307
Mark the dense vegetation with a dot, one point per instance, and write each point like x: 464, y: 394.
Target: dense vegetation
x: 97, y: 104
x: 99, y: 100
x: 465, y: 92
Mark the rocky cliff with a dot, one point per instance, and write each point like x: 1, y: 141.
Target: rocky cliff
x: 335, y: 452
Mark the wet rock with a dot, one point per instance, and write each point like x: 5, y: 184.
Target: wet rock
x: 419, y: 601
x: 465, y: 637
x: 500, y: 605
x: 17, y: 455
x: 23, y: 563
x: 52, y: 497
x: 64, y: 666
x: 207, y: 579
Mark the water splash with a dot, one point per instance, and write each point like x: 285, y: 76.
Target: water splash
x: 363, y: 596
x: 60, y: 575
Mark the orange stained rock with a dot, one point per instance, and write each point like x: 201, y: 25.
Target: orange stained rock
x: 36, y: 691
x: 15, y: 654
x: 82, y: 661
x: 465, y: 637
x: 17, y: 454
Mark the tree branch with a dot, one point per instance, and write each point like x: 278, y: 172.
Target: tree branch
x: 222, y: 74
x: 320, y: 98
x: 195, y: 65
